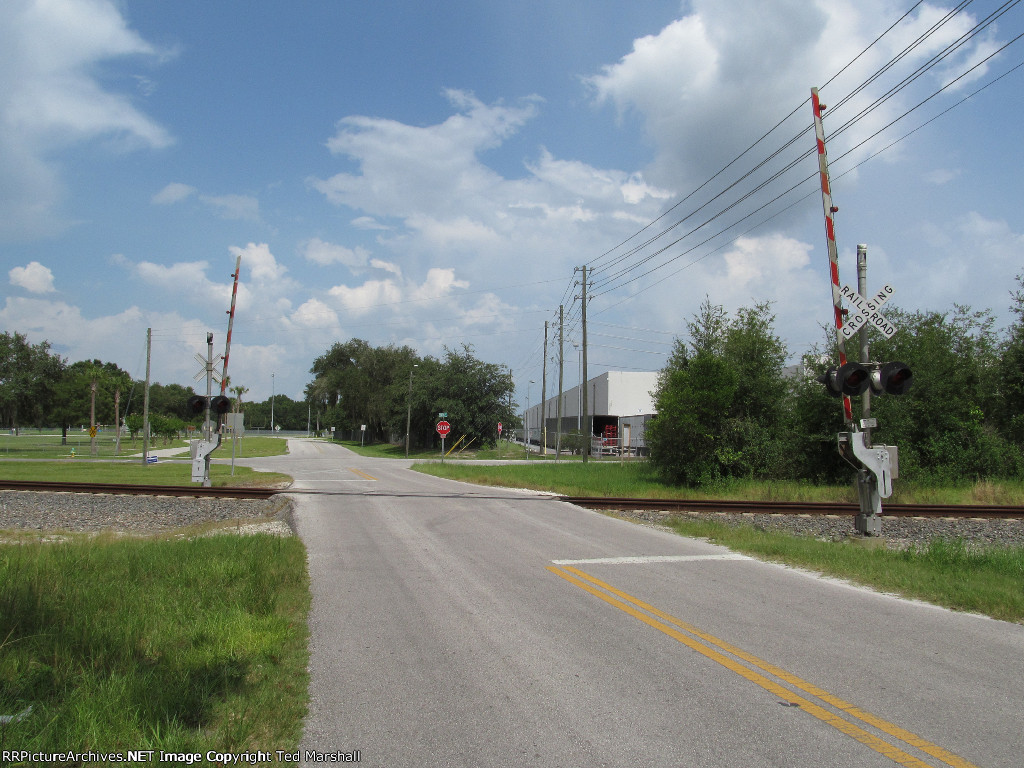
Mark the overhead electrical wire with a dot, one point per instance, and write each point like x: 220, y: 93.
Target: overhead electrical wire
x: 619, y: 279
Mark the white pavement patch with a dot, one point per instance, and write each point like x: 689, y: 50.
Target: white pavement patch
x: 649, y: 559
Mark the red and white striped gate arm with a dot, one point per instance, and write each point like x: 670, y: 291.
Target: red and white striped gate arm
x: 231, y: 321
x: 830, y: 236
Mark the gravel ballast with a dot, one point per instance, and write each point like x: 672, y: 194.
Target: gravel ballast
x: 138, y: 515
x: 897, y: 532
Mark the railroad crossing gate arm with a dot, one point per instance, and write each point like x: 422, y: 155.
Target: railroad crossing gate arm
x: 874, y: 459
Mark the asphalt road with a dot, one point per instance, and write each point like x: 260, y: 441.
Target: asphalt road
x: 454, y: 625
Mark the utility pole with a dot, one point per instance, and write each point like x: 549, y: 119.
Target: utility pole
x: 92, y: 417
x: 117, y: 421
x: 587, y: 431
x: 145, y: 399
x: 408, y: 413
x: 561, y: 366
x: 544, y: 396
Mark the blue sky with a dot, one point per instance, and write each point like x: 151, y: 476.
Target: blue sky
x: 431, y: 176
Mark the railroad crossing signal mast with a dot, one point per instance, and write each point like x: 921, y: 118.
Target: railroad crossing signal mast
x: 197, y: 404
x: 876, y: 465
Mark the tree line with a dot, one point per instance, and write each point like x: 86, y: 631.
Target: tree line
x: 728, y: 408
x: 353, y: 384
x: 39, y: 388
x: 382, y: 388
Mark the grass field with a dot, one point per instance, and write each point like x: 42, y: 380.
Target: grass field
x: 177, y: 645
x: 32, y: 444
x: 636, y: 480
x: 164, y: 472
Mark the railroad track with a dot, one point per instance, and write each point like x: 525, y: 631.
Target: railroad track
x: 590, y: 502
x: 141, y: 490
x: 797, y: 507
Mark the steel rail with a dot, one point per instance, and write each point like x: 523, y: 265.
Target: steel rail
x: 796, y: 507
x: 590, y: 502
x: 223, y: 492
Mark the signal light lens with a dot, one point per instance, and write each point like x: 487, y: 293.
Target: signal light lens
x: 196, y: 405
x: 850, y: 379
x: 220, y: 405
x: 894, y: 378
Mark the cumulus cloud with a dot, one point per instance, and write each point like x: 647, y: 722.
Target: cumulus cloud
x: 50, y: 98
x: 708, y: 84
x: 323, y: 253
x: 313, y: 313
x: 33, y: 277
x: 261, y: 263
x: 366, y: 297
x: 433, y: 186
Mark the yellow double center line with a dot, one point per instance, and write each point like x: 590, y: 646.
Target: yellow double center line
x: 361, y: 473
x: 706, y: 645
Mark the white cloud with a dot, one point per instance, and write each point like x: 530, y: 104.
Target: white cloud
x: 185, y: 275
x: 367, y: 297
x: 261, y: 263
x: 368, y: 222
x: 764, y: 258
x: 313, y: 313
x: 428, y: 171
x: 50, y: 98
x: 173, y: 193
x: 324, y: 253
x: 33, y: 277
x: 439, y: 284
x: 708, y: 84
x: 387, y: 266
x: 73, y: 334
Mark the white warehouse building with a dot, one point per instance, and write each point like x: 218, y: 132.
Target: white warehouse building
x: 619, y: 405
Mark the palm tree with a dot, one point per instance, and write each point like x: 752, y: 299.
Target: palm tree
x: 239, y: 391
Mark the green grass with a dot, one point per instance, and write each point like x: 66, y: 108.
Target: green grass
x: 635, y: 479
x: 35, y: 444
x: 985, y: 580
x: 32, y: 444
x: 614, y: 478
x: 133, y: 473
x: 179, y: 645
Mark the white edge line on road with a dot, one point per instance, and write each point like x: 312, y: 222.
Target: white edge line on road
x: 649, y: 559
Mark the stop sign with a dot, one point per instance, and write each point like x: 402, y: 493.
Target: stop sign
x: 443, y: 428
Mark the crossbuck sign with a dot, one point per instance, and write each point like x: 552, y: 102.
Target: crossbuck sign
x: 866, y: 312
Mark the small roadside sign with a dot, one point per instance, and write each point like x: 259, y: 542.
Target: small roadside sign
x: 499, y: 427
x: 443, y: 428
